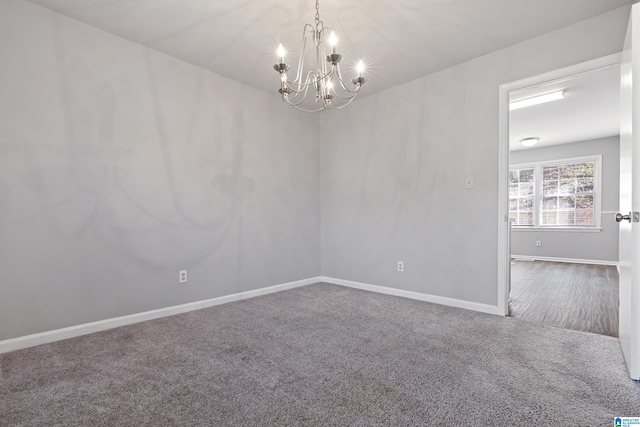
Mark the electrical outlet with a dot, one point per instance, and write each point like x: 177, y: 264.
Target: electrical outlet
x: 538, y: 243
x: 182, y: 276
x: 400, y: 266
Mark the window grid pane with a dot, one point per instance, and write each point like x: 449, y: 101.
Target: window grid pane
x: 568, y: 195
x: 521, y: 196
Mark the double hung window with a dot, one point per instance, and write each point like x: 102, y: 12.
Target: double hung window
x: 562, y: 193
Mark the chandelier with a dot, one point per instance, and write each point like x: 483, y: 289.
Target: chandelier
x: 325, y: 79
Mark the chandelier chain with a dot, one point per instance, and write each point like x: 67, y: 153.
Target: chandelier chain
x: 317, y: 14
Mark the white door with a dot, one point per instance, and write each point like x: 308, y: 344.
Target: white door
x: 629, y: 320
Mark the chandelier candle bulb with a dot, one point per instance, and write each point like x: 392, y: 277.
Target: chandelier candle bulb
x: 281, y: 53
x: 360, y: 68
x: 333, y: 41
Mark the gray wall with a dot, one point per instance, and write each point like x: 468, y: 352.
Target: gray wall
x: 601, y: 246
x: 119, y: 166
x: 394, y: 166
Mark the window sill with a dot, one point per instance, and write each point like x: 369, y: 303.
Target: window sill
x: 570, y: 229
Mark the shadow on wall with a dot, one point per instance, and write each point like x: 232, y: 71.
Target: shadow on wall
x: 129, y: 195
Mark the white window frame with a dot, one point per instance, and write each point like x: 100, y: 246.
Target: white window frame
x: 537, y: 200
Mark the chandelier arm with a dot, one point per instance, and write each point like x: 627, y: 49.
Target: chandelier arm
x: 301, y: 88
x: 305, y: 34
x: 348, y: 95
x: 291, y: 99
x: 306, y: 84
x: 327, y: 68
x: 321, y: 50
x: 297, y: 93
x: 323, y: 28
x: 307, y: 111
x: 327, y: 77
x: 345, y: 104
x: 357, y: 89
x: 295, y: 90
x: 320, y: 55
x: 304, y: 96
x: 353, y: 95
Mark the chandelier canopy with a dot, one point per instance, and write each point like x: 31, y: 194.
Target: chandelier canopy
x: 325, y: 79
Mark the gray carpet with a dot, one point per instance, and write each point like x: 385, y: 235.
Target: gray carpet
x: 321, y: 355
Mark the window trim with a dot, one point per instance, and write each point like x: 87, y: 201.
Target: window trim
x: 537, y: 185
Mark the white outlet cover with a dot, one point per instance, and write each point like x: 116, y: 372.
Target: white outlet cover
x: 182, y: 276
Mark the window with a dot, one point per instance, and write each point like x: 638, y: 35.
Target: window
x: 521, y: 195
x: 563, y: 193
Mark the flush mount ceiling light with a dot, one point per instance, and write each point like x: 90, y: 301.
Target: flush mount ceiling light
x: 529, y: 142
x: 535, y: 100
x: 324, y: 79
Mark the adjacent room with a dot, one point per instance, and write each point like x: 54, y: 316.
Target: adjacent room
x: 180, y: 245
x: 564, y: 189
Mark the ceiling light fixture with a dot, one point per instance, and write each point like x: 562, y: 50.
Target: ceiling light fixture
x: 529, y: 142
x: 325, y: 79
x: 535, y: 100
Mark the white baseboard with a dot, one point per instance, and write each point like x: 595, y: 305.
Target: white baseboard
x: 468, y: 305
x: 568, y: 260
x: 88, y: 328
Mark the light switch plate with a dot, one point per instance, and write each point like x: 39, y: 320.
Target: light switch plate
x: 468, y: 182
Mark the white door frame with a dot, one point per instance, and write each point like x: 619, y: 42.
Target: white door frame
x: 505, y: 90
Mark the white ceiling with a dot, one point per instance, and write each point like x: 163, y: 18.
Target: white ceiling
x: 590, y: 110
x: 400, y: 40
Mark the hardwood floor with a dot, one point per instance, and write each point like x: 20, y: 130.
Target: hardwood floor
x: 573, y: 296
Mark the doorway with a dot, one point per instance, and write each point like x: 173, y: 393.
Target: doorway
x: 551, y: 255
x: 564, y: 157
